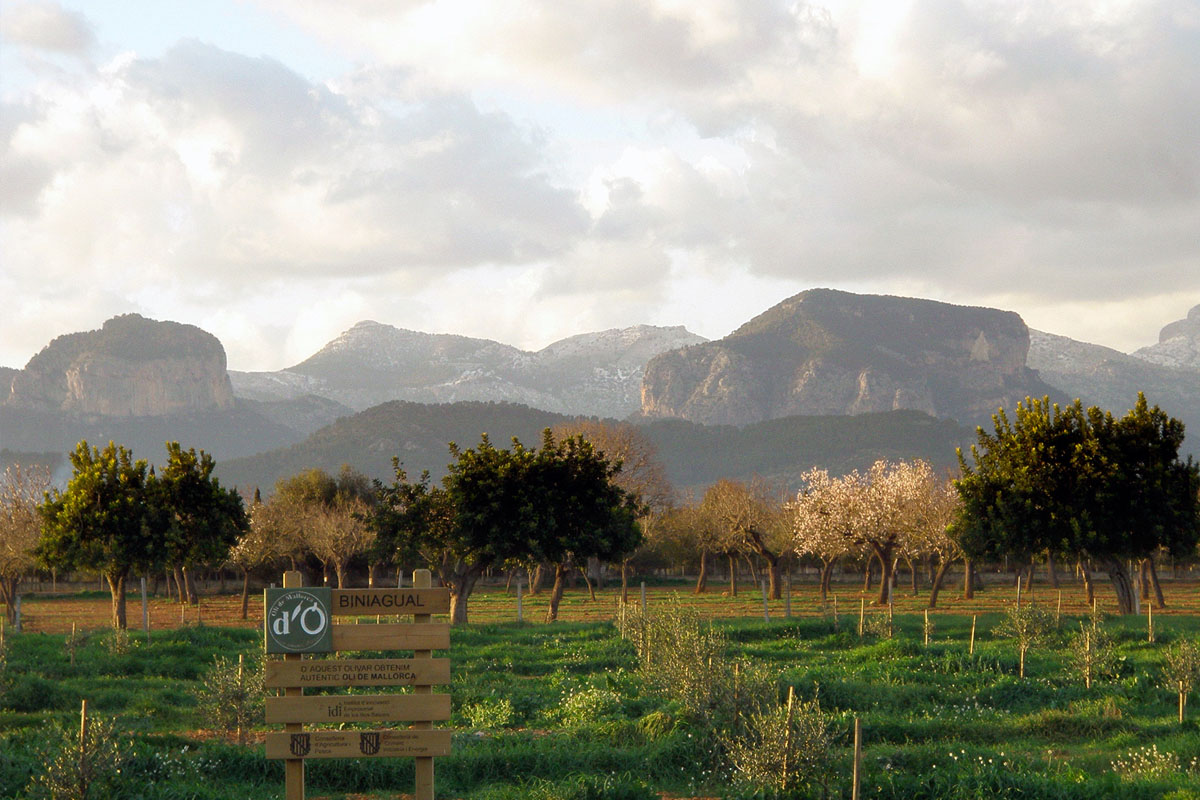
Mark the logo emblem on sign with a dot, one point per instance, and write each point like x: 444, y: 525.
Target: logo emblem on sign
x: 297, y: 621
x: 368, y: 743
x: 300, y: 744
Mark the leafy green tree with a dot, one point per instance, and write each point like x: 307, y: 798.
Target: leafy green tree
x: 203, y: 521
x: 104, y: 520
x: 582, y: 512
x: 1080, y: 483
x: 486, y: 514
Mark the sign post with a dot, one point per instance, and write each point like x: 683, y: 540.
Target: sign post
x: 298, y: 620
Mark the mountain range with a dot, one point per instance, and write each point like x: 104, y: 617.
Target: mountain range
x: 862, y: 365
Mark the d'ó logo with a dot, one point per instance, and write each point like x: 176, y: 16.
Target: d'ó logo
x: 300, y: 744
x: 297, y: 621
x: 368, y: 743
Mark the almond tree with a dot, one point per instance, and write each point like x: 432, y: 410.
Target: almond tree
x: 21, y: 489
x: 338, y: 532
x: 824, y: 515
x: 752, y: 519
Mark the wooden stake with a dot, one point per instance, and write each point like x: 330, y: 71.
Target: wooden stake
x: 83, y: 738
x: 927, y: 627
x: 241, y: 667
x: 971, y: 651
x: 520, y: 612
x: 1150, y: 622
x: 293, y: 767
x: 422, y: 579
x: 835, y: 614
x: 862, y: 609
x: 787, y: 597
x: 857, y: 759
x: 787, y: 733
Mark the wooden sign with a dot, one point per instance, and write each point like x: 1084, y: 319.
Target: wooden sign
x: 358, y: 744
x: 335, y: 708
x: 398, y: 636
x: 357, y: 672
x: 299, y: 621
x: 390, y: 601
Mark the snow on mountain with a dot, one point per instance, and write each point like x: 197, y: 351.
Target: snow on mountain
x: 1178, y: 344
x: 596, y: 374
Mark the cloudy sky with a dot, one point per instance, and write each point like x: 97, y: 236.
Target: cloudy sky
x: 276, y: 170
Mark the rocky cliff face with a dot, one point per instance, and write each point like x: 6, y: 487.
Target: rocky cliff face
x: 830, y: 352
x: 1178, y: 344
x: 131, y: 367
x: 594, y: 374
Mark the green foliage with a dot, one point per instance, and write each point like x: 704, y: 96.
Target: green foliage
x: 1026, y: 625
x: 201, y: 519
x: 1079, y: 482
x: 492, y: 713
x: 783, y: 748
x: 79, y: 768
x: 231, y: 696
x: 1093, y: 653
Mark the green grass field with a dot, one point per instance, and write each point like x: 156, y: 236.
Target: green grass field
x: 564, y: 711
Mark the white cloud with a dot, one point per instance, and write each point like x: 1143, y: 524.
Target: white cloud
x: 47, y: 26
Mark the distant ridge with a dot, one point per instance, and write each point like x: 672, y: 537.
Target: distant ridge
x: 694, y: 455
x: 829, y: 352
x: 593, y: 373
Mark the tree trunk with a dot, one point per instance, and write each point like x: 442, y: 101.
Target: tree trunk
x: 913, y: 569
x: 245, y: 592
x: 885, y: 557
x: 625, y: 581
x: 8, y: 596
x: 372, y: 574
x: 177, y: 575
x: 753, y: 571
x: 583, y: 570
x: 595, y: 572
x: 968, y: 579
x: 189, y: 587
x: 733, y: 575
x: 339, y: 571
x: 1159, y: 600
x: 1051, y: 569
x: 556, y: 593
x: 535, y: 582
x: 1089, y: 588
x: 869, y: 573
x: 935, y: 586
x: 826, y: 576
x: 702, y: 580
x: 116, y: 585
x: 1121, y: 583
x: 460, y: 578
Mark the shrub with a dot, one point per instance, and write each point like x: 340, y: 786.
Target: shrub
x: 782, y: 748
x: 490, y: 713
x: 78, y: 767
x: 231, y: 696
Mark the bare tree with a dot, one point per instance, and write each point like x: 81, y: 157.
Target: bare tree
x: 21, y: 490
x: 338, y: 532
x: 753, y: 519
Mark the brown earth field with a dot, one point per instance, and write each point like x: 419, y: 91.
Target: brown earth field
x: 50, y: 612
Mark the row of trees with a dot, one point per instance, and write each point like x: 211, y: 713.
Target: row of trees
x: 1067, y: 483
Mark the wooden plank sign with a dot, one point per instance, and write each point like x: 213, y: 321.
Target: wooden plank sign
x: 359, y: 708
x: 357, y: 672
x: 358, y: 744
x: 388, y: 636
x: 390, y: 601
x: 297, y: 620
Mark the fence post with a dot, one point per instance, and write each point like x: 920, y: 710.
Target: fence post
x: 520, y: 611
x: 423, y: 579
x: 293, y: 767
x: 17, y: 613
x: 643, y: 597
x: 857, y: 759
x: 145, y: 611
